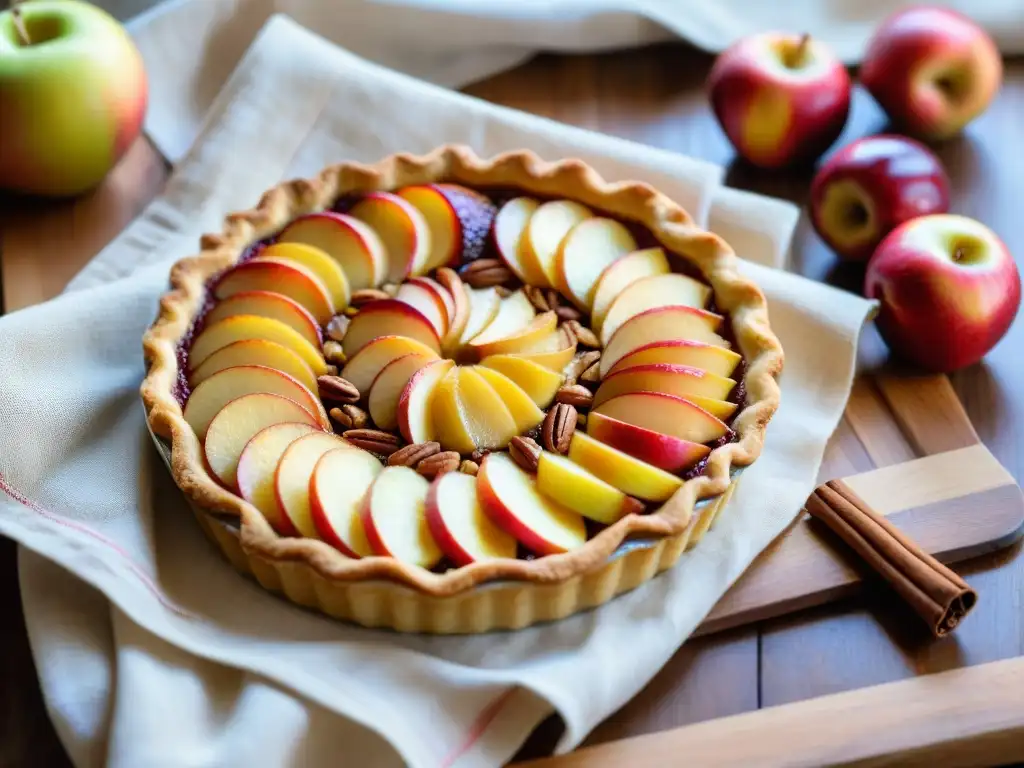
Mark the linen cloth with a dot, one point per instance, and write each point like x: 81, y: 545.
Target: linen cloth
x: 452, y: 42
x: 156, y: 652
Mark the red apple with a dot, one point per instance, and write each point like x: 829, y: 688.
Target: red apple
x: 870, y: 187
x: 949, y: 290
x: 932, y: 70
x: 781, y: 99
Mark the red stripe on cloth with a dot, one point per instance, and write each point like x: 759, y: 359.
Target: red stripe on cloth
x: 480, y: 725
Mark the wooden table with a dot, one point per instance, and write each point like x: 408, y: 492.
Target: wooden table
x: 654, y: 96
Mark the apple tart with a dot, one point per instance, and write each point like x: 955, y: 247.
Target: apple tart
x: 454, y: 394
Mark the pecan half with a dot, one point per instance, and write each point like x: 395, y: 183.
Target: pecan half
x: 584, y: 336
x: 438, y: 464
x: 554, y: 298
x: 337, y: 326
x: 525, y: 452
x: 337, y: 389
x: 468, y: 467
x: 350, y: 416
x: 580, y: 362
x: 576, y: 395
x: 566, y: 312
x: 333, y: 353
x: 559, y: 426
x: 411, y: 455
x: 372, y: 440
x: 364, y: 296
x: 483, y: 273
x: 592, y: 374
x: 536, y: 297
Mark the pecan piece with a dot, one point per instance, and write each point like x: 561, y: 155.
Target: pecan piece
x: 411, y: 455
x: 484, y: 273
x: 525, y: 452
x: 469, y: 467
x: 559, y: 426
x: 592, y: 374
x: 364, y: 296
x: 337, y: 326
x: 438, y: 464
x: 581, y: 362
x: 536, y: 297
x: 566, y: 312
x: 350, y: 416
x: 372, y: 440
x: 576, y: 395
x: 584, y: 336
x: 337, y: 389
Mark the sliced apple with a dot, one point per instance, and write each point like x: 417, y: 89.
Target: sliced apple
x: 238, y: 422
x: 483, y: 307
x: 554, y: 351
x: 423, y: 299
x: 515, y: 313
x: 415, y: 404
x: 268, y: 304
x: 695, y: 354
x: 509, y: 230
x: 247, y: 327
x: 387, y: 388
x: 537, y: 330
x: 285, y: 277
x: 340, y: 481
x: 458, y: 523
x: 628, y: 474
x: 660, y: 377
x: 510, y: 498
x: 720, y: 409
x: 294, y: 473
x: 538, y: 382
x: 524, y: 411
x: 459, y: 298
x: 469, y: 414
x: 665, y: 413
x: 656, y: 448
x: 658, y: 325
x: 441, y: 296
x: 212, y: 395
x: 355, y: 245
x: 256, y: 468
x: 443, y: 222
x: 402, y: 229
x: 671, y: 290
x: 547, y: 227
x: 448, y: 426
x: 316, y: 261
x: 575, y: 488
x: 395, y: 518
x: 363, y: 367
x: 619, y: 275
x: 388, y: 317
x: 583, y: 255
x: 269, y: 354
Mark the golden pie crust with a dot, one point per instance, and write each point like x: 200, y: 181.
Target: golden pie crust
x: 253, y: 546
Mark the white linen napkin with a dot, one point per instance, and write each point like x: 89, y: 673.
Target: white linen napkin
x: 159, y: 653
x: 190, y: 46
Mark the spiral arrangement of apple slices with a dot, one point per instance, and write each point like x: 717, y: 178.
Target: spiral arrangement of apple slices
x: 252, y: 373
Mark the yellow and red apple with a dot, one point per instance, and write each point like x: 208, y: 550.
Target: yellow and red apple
x: 458, y: 523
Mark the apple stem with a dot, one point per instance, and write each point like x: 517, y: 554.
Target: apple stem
x: 796, y: 58
x: 19, y: 25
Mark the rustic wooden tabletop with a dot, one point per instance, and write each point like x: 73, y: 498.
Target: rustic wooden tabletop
x: 654, y: 96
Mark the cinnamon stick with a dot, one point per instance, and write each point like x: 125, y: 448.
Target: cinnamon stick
x: 933, y: 591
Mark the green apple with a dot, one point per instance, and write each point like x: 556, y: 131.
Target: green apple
x: 73, y: 96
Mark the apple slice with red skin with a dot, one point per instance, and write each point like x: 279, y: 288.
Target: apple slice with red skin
x: 515, y: 313
x: 671, y: 415
x: 268, y: 304
x: 510, y: 498
x: 508, y: 233
x: 423, y: 299
x: 459, y: 297
x: 351, y: 242
x: 394, y: 517
x: 285, y: 277
x: 619, y: 275
x: 588, y: 248
x: 445, y: 229
x: 366, y: 365
x: 215, y: 337
x: 257, y: 466
x: 547, y: 227
x: 483, y: 307
x: 542, y: 326
x: 575, y: 488
x: 327, y: 270
x: 206, y: 401
x: 238, y: 422
x: 656, y: 448
x: 694, y: 354
x: 415, y: 412
x: 441, y: 296
x: 293, y: 474
x: 339, y: 482
x: 658, y: 325
x: 630, y: 475
x: 671, y: 290
x: 402, y: 229
x: 388, y: 317
x: 659, y: 377
x: 387, y: 388
x: 459, y: 525
x: 269, y: 354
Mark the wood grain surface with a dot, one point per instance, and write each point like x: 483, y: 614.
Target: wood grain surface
x: 655, y: 96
